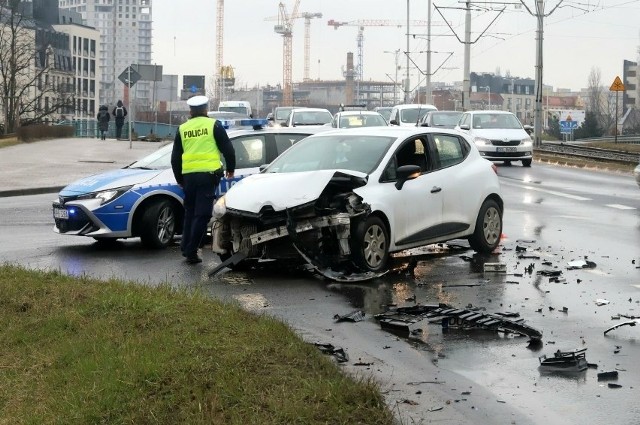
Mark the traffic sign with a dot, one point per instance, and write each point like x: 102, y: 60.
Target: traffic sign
x: 566, y: 127
x: 129, y: 77
x: 617, y: 85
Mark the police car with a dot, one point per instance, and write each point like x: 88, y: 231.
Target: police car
x: 143, y: 199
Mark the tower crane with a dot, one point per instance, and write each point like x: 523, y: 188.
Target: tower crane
x: 219, y: 46
x: 307, y: 40
x: 285, y: 28
x: 370, y: 23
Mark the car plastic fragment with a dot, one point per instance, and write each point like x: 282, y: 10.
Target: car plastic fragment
x: 495, y: 267
x: 337, y: 352
x: 580, y: 264
x: 629, y: 323
x: 354, y: 316
x: 233, y: 260
x: 605, y: 376
x: 601, y: 302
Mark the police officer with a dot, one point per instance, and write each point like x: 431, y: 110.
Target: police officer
x: 197, y: 167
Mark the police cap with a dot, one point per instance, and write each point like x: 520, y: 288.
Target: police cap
x: 197, y: 101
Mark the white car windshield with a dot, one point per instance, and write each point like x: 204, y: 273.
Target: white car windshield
x: 333, y: 152
x: 311, y: 117
x: 413, y: 115
x: 445, y: 118
x: 501, y: 121
x: 361, y: 120
x: 158, y: 160
x: 237, y: 109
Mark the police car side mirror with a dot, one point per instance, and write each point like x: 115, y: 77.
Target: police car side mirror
x: 263, y: 167
x: 393, y: 122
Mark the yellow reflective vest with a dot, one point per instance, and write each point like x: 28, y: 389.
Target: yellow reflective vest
x: 199, y: 148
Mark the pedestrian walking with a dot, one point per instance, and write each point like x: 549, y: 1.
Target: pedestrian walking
x: 103, y: 118
x: 197, y: 167
x: 119, y: 112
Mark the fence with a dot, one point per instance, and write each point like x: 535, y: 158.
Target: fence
x: 143, y: 130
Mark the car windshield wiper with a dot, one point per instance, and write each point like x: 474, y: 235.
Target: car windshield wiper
x: 142, y: 168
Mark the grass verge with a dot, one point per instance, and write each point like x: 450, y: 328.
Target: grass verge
x: 79, y: 351
x: 568, y: 161
x: 9, y: 141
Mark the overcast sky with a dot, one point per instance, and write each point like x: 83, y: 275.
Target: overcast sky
x: 592, y: 34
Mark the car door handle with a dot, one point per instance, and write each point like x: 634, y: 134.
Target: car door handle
x: 435, y: 189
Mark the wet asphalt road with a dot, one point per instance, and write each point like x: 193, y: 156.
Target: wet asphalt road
x: 555, y: 214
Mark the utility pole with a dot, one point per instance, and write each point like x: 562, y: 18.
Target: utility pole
x: 466, y: 82
x: 406, y: 82
x: 540, y: 15
x: 428, y: 96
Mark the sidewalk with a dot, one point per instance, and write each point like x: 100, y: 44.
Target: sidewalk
x: 47, y: 166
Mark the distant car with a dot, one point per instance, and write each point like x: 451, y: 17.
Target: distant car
x: 636, y: 172
x: 440, y: 119
x: 408, y: 115
x: 351, y: 119
x: 226, y: 115
x: 308, y: 116
x: 367, y: 192
x: 499, y: 136
x: 279, y: 115
x: 143, y: 199
x: 385, y: 111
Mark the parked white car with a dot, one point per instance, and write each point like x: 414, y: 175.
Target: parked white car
x: 356, y: 119
x: 498, y: 135
x: 410, y: 114
x: 307, y: 117
x: 636, y: 173
x: 344, y: 200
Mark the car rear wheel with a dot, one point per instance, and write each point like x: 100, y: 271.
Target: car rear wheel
x: 371, y: 244
x: 158, y: 225
x: 486, y: 236
x: 526, y: 162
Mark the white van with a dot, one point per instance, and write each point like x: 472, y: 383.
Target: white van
x: 408, y: 115
x: 239, y: 106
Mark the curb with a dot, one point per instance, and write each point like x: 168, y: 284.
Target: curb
x: 30, y: 191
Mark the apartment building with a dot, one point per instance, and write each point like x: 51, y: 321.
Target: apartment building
x: 125, y: 39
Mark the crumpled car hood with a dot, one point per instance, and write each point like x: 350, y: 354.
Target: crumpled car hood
x: 285, y: 190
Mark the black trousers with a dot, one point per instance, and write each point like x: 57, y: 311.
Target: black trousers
x: 199, y: 195
x: 119, y: 125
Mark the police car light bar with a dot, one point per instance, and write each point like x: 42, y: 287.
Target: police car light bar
x: 257, y: 124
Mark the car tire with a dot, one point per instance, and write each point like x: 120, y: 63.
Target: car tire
x: 526, y: 163
x: 158, y: 225
x: 370, y: 244
x: 486, y: 235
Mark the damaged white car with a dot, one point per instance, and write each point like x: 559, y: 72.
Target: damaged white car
x: 344, y: 200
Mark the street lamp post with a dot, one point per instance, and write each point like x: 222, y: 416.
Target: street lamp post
x: 395, y: 88
x: 488, y: 88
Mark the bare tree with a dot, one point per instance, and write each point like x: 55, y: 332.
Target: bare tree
x: 35, y: 81
x: 594, y: 90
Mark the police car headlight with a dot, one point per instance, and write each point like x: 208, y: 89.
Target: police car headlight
x: 220, y: 207
x: 481, y: 141
x: 107, y: 196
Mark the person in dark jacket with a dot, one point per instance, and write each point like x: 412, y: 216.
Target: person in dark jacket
x: 103, y: 118
x: 196, y: 161
x: 119, y: 112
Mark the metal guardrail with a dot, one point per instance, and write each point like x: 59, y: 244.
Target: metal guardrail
x: 634, y: 139
x: 89, y: 129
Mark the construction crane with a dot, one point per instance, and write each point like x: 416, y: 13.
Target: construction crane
x: 285, y: 29
x: 370, y: 23
x: 307, y: 37
x: 219, y: 46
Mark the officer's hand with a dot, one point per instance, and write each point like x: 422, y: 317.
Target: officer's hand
x: 228, y: 175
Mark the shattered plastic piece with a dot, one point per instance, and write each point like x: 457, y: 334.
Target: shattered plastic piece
x: 520, y: 248
x: 411, y: 402
x: 564, y: 361
x: 550, y: 273
x: 581, y: 264
x: 354, y: 316
x: 495, y: 267
x: 337, y: 352
x: 629, y: 323
x: 601, y: 302
x: 526, y: 241
x: 611, y: 385
x: 435, y: 409
x: 604, y: 376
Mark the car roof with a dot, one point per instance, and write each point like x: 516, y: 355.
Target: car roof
x: 309, y: 109
x: 395, y: 131
x: 491, y: 111
x: 276, y: 130
x: 357, y: 113
x: 414, y: 105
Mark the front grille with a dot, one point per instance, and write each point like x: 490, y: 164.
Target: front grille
x: 78, y: 221
x: 507, y: 143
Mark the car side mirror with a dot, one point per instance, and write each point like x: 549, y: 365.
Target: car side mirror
x: 464, y: 127
x: 263, y: 167
x: 270, y: 119
x: 528, y: 129
x: 393, y: 122
x: 284, y: 124
x: 405, y: 173
x: 424, y: 124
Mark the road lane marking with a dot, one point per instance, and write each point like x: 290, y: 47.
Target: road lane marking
x: 551, y: 192
x: 621, y: 207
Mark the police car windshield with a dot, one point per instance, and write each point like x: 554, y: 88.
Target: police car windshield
x: 158, y: 160
x: 237, y: 109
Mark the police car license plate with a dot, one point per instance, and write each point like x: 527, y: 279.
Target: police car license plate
x: 508, y: 149
x: 61, y: 213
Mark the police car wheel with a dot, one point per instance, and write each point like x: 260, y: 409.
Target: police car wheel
x: 158, y: 225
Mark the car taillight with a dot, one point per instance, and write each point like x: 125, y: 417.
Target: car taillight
x: 494, y: 168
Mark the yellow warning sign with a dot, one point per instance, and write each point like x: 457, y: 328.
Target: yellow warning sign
x: 617, y: 85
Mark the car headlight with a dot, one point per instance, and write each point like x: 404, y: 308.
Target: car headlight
x: 109, y: 195
x: 481, y: 141
x: 526, y: 142
x: 220, y: 207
